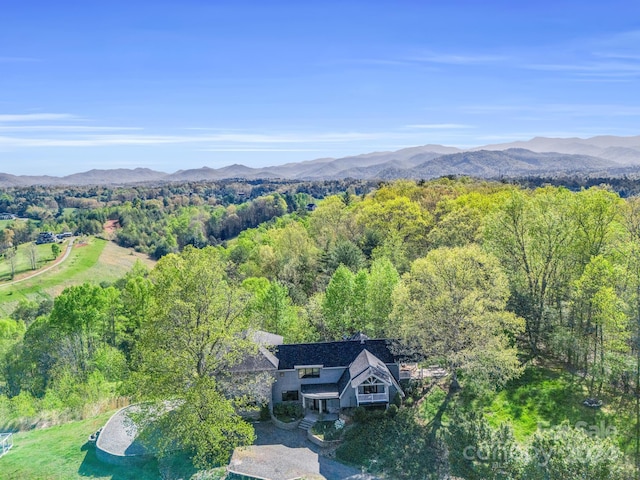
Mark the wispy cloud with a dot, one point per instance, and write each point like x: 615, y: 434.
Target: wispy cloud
x: 35, y: 117
x: 62, y: 128
x: 227, y: 149
x: 609, y: 58
x: 593, y: 69
x: 228, y: 138
x: 582, y: 110
x: 459, y: 59
x: 222, y: 141
x: 439, y: 126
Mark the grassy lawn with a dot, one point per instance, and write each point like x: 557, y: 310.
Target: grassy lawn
x: 544, y: 397
x: 91, y: 260
x: 23, y: 264
x: 62, y: 453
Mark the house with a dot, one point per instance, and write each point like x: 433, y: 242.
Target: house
x: 330, y: 376
x: 46, y: 237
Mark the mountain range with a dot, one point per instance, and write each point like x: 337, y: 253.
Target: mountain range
x: 602, y: 155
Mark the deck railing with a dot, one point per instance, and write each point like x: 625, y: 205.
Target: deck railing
x: 373, y: 398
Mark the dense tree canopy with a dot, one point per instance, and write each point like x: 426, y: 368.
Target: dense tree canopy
x: 472, y: 275
x: 451, y: 306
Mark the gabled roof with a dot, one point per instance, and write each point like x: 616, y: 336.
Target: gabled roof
x: 331, y: 354
x: 367, y: 365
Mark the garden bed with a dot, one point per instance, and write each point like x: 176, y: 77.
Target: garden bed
x: 326, y: 433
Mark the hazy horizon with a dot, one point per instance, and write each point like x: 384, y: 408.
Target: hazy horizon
x: 173, y: 86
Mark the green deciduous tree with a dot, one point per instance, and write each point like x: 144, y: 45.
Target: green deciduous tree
x: 85, y: 316
x: 450, y: 307
x: 599, y: 324
x: 531, y: 234
x: 337, y: 303
x: 193, y: 335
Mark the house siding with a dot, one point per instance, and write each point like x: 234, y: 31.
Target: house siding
x: 286, y: 380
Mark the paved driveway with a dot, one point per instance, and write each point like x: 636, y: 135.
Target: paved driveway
x: 285, y: 455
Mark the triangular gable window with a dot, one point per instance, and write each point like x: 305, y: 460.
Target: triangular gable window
x: 372, y: 385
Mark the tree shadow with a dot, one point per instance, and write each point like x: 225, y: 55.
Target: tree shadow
x: 92, y: 467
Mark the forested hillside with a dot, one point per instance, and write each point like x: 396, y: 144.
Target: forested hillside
x: 488, y: 280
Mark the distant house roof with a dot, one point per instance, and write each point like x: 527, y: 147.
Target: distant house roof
x: 331, y: 354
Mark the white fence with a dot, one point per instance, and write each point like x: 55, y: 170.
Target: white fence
x: 6, y: 442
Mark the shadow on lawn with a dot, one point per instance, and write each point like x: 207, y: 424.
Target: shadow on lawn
x: 92, y: 467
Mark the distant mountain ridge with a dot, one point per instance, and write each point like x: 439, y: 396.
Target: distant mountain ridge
x: 538, y: 156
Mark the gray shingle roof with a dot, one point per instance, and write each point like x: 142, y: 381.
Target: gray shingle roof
x: 331, y: 354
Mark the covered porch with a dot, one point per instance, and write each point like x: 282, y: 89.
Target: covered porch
x: 322, y: 398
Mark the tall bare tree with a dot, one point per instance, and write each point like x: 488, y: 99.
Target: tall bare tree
x: 32, y: 252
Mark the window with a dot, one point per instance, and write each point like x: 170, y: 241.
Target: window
x: 309, y: 372
x: 368, y: 389
x: 290, y: 396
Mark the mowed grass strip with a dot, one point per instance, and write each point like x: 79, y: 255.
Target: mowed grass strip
x: 81, y: 258
x: 62, y: 452
x: 91, y: 260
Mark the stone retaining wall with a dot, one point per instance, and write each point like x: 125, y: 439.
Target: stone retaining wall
x: 320, y: 442
x: 285, y: 425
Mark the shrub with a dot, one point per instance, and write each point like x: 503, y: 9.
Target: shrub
x: 23, y: 405
x: 327, y: 430
x: 392, y: 411
x: 397, y: 400
x: 111, y: 362
x: 360, y: 414
x: 288, y: 411
x: 264, y: 412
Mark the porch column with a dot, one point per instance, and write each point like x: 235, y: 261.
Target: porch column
x: 304, y: 405
x: 320, y: 405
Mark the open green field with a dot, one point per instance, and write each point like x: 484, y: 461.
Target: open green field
x: 92, y: 260
x: 62, y: 453
x: 6, y: 223
x: 23, y: 263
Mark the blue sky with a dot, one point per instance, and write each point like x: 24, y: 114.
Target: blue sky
x: 176, y: 85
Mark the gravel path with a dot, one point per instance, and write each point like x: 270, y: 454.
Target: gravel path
x: 284, y: 455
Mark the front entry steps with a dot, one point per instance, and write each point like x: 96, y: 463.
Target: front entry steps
x: 307, y: 422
